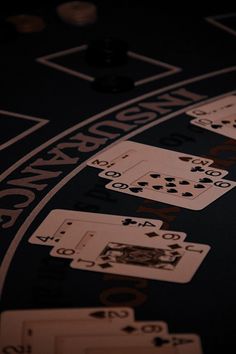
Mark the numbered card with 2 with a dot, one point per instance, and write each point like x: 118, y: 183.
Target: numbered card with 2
x: 96, y: 330
x: 18, y: 326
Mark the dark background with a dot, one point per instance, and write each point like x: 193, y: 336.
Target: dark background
x: 181, y: 36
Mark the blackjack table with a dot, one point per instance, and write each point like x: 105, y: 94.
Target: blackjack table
x: 58, y: 110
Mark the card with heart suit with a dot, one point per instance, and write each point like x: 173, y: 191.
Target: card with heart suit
x: 51, y: 230
x: 14, y: 323
x: 126, y: 254
x: 81, y: 345
x: 75, y: 237
x: 169, y: 161
x: 218, y: 116
x: 149, y: 182
x: 41, y: 336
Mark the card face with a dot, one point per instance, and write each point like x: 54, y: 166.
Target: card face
x: 75, y: 238
x: 151, y: 259
x: 183, y: 344
x: 218, y: 116
x: 169, y: 161
x: 14, y: 323
x: 187, y: 343
x: 82, y: 345
x: 130, y: 350
x: 168, y: 344
x: 175, y: 189
x: 195, y: 172
x: 52, y: 228
x: 41, y: 335
x: 113, y: 155
x: 126, y: 150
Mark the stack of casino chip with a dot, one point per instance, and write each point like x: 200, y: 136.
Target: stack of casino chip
x: 27, y: 23
x: 77, y: 13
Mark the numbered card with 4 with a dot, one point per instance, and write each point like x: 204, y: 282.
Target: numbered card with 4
x: 52, y: 229
x: 75, y: 238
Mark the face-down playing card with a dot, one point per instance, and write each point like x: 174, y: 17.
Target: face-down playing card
x: 15, y: 325
x: 172, y: 188
x: 51, y: 230
x: 77, y: 235
x: 127, y: 254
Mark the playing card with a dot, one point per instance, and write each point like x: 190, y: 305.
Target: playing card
x: 130, y: 350
x: 187, y: 343
x: 192, y: 166
x: 152, y: 183
x: 168, y: 344
x: 75, y: 237
x: 85, y: 344
x: 52, y: 228
x: 188, y: 169
x: 14, y: 323
x: 40, y: 336
x: 125, y: 150
x: 127, y: 254
x: 218, y: 116
x: 182, y: 343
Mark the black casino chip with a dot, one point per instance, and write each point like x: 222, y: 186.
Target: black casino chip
x: 113, y: 84
x: 107, y: 52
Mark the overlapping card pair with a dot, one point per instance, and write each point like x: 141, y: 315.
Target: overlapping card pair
x: 218, y: 116
x: 102, y: 330
x: 162, y: 175
x: 120, y: 245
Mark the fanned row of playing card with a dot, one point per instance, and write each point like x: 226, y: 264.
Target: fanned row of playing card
x: 162, y: 175
x: 120, y: 245
x: 218, y: 116
x: 102, y: 330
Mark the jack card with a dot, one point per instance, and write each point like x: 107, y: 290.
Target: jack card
x: 115, y: 253
x: 75, y: 237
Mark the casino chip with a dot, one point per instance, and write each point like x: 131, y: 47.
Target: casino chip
x: 27, y: 23
x: 107, y: 52
x: 77, y: 13
x: 7, y: 32
x: 113, y: 84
